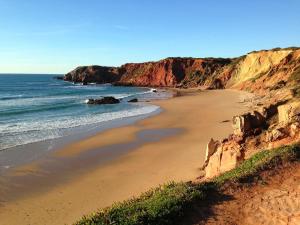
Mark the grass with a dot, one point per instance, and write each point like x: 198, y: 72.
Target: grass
x: 166, y: 204
x: 263, y: 160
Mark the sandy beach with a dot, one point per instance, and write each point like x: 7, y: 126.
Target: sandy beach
x: 166, y: 147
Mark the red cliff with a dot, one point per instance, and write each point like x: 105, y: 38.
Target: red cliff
x: 256, y: 71
x: 168, y: 72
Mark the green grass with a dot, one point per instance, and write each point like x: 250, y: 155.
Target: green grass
x: 259, y: 162
x: 158, y: 206
x: 166, y: 204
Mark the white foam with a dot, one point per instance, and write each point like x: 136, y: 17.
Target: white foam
x: 22, y: 133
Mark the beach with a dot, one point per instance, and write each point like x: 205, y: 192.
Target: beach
x: 166, y: 147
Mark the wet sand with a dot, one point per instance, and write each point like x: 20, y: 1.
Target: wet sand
x: 75, y: 180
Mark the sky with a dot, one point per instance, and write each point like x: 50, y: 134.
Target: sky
x: 55, y: 36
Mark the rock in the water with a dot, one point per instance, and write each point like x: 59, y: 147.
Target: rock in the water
x: 104, y: 100
x: 58, y: 77
x: 153, y: 90
x: 133, y: 100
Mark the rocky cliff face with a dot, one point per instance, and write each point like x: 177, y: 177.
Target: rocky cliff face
x: 170, y: 72
x: 264, y: 70
x: 256, y: 71
x: 93, y: 74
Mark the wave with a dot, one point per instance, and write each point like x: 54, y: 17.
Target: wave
x: 34, y: 131
x: 93, y: 86
x: 39, y: 108
x: 24, y: 100
x: 121, y: 96
x: 9, y: 97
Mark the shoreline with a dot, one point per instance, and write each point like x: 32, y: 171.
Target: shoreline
x: 26, y: 153
x: 143, y: 167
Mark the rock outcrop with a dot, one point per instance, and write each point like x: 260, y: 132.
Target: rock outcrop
x: 245, y: 125
x: 276, y: 134
x: 102, y: 101
x: 93, y: 74
x: 288, y: 125
x: 58, y: 77
x: 227, y: 156
x: 289, y: 113
x: 283, y: 129
x: 211, y: 148
x: 133, y: 100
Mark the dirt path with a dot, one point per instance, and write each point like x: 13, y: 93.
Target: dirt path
x: 274, y: 199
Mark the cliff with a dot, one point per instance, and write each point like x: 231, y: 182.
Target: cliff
x: 255, y: 71
x: 93, y: 74
x: 274, y: 77
x: 263, y: 70
x: 170, y: 72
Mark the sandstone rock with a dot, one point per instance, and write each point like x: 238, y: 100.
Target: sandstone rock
x: 236, y: 138
x: 231, y: 156
x: 294, y: 129
x: 289, y: 113
x: 211, y: 148
x: 227, y: 156
x: 213, y: 166
x: 245, y: 124
x: 104, y: 100
x: 241, y: 124
x: 275, y: 134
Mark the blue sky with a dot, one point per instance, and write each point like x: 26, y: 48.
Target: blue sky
x: 54, y: 36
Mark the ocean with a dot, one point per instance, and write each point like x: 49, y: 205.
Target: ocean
x: 35, y: 108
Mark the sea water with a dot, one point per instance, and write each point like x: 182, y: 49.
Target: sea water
x: 36, y: 108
